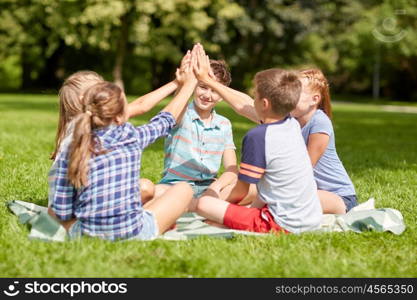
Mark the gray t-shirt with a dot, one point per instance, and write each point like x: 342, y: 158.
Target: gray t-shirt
x: 329, y: 172
x: 275, y: 157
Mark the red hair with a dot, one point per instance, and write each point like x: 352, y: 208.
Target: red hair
x: 318, y: 83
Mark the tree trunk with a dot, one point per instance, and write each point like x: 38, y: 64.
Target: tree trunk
x: 154, y: 72
x: 162, y: 72
x: 48, y: 76
x: 377, y: 74
x: 122, y: 45
x: 26, y: 70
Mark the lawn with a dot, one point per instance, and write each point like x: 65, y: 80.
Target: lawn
x: 378, y: 148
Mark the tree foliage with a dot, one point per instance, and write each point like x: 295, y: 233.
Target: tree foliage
x: 358, y: 44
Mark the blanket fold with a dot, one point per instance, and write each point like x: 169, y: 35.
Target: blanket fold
x: 361, y: 218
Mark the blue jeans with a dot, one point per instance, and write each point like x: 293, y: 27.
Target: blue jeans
x: 150, y: 228
x: 199, y: 187
x: 350, y: 201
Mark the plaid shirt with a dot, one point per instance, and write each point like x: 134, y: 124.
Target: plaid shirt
x: 109, y: 207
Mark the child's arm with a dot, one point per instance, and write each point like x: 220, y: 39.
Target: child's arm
x: 179, y: 75
x: 252, y: 163
x: 240, y: 102
x: 316, y: 146
x: 146, y: 102
x: 178, y: 104
x: 257, y: 203
x: 63, y: 197
x: 65, y: 224
x: 239, y: 192
x: 162, y: 123
x: 229, y: 175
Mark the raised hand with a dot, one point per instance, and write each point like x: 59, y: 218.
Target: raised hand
x: 186, y: 59
x: 186, y: 72
x: 185, y: 63
x: 202, y: 68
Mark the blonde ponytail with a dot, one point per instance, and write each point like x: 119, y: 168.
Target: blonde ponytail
x: 80, y: 151
x: 102, y: 104
x: 70, y: 103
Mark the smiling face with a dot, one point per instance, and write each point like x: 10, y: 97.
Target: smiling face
x: 205, y: 98
x: 308, y: 100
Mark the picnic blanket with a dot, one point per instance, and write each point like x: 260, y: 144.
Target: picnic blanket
x: 364, y: 217
x: 42, y: 225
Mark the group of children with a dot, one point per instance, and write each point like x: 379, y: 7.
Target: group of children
x: 289, y: 174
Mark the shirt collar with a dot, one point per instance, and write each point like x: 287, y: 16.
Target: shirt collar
x: 115, y: 135
x: 215, y: 121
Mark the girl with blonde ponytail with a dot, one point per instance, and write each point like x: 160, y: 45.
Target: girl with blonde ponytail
x: 70, y: 103
x: 70, y: 106
x: 95, y: 190
x: 102, y: 105
x: 313, y: 112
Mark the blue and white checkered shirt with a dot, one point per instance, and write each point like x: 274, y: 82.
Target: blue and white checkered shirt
x: 110, y: 206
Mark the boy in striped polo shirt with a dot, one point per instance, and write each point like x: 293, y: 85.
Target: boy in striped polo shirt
x: 195, y: 149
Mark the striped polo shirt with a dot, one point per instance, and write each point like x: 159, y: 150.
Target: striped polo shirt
x: 194, y: 150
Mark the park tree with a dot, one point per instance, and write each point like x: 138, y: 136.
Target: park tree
x: 362, y: 46
x: 40, y: 32
x: 27, y: 40
x: 376, y: 48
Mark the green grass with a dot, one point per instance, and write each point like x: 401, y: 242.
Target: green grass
x: 379, y: 150
x: 369, y: 100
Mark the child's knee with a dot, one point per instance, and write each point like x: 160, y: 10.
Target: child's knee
x: 203, y: 202
x: 147, y: 189
x: 185, y: 189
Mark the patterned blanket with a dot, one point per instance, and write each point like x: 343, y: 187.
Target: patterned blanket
x: 363, y: 217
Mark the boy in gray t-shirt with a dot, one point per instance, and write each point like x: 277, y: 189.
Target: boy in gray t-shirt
x: 274, y: 157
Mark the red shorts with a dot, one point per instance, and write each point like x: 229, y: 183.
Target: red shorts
x: 251, y: 219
